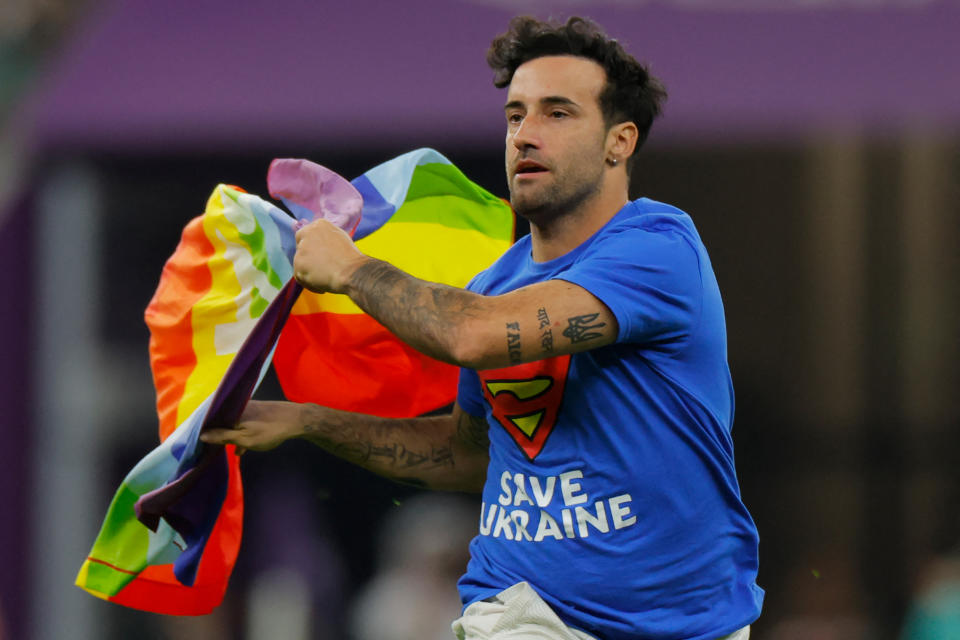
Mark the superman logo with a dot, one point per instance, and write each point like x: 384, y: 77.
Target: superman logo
x: 526, y: 399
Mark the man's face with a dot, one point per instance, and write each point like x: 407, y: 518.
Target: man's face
x: 555, y: 135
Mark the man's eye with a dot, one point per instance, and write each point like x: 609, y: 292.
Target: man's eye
x: 558, y: 114
x: 514, y: 118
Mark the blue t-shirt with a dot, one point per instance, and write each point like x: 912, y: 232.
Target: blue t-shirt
x: 611, y: 487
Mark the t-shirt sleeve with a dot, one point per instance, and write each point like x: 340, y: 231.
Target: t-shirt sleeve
x: 649, y: 279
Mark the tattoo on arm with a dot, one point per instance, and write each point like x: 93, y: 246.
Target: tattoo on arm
x: 440, y: 452
x: 395, y: 455
x: 473, y: 430
x: 423, y: 314
x: 371, y: 451
x: 583, y: 328
x: 546, y: 332
x: 513, y: 342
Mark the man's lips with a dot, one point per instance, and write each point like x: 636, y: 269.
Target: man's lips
x: 529, y: 167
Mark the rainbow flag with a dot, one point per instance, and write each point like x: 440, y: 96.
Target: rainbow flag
x: 421, y: 214
x: 172, y: 532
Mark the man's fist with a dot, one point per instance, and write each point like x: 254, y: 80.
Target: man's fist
x: 326, y: 257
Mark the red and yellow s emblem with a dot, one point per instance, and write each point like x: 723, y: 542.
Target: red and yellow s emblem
x: 526, y: 399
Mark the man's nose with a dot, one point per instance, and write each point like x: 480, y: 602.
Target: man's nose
x: 526, y: 134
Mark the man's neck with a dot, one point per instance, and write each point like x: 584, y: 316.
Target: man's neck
x: 564, y: 233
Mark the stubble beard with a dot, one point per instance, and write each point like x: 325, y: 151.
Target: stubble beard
x: 563, y: 197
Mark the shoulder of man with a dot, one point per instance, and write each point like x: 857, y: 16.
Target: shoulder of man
x: 653, y: 215
x: 645, y: 225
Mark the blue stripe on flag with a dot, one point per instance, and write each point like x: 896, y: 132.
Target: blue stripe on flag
x: 376, y: 210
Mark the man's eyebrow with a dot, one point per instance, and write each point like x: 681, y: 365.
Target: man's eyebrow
x: 548, y: 100
x: 552, y: 100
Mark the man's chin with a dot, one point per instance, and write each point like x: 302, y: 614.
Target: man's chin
x: 530, y: 209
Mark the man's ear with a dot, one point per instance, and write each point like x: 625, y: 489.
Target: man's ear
x: 622, y: 140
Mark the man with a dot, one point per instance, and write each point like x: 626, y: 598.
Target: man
x: 595, y: 403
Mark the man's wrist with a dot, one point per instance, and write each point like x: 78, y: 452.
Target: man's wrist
x: 349, y: 269
x: 348, y: 282
x: 309, y: 419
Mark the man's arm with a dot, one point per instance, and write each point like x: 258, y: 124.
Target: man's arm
x: 439, y: 452
x: 454, y: 325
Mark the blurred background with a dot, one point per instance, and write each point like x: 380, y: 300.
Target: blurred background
x: 816, y: 143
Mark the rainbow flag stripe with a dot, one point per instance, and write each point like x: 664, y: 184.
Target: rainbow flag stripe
x: 423, y: 215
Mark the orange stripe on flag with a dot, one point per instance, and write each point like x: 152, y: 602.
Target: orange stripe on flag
x: 185, y: 280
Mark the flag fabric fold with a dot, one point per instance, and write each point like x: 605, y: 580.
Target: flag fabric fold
x: 220, y: 314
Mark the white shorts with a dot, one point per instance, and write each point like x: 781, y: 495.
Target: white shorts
x: 518, y: 613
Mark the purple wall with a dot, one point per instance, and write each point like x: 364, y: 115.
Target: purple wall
x: 183, y: 74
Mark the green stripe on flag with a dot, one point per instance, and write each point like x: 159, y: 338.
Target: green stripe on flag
x: 123, y: 541
x: 255, y: 241
x: 440, y: 194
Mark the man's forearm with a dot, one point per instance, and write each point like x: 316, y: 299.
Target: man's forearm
x: 428, y: 316
x: 476, y: 331
x: 426, y: 452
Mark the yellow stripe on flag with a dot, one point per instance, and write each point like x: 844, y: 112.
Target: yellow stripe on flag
x: 425, y: 250
x: 82, y: 581
x: 219, y: 307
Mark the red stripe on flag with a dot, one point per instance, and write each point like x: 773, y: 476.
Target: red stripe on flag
x: 114, y: 567
x: 351, y: 362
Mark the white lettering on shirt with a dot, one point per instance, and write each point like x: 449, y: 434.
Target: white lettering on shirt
x: 569, y: 488
x: 619, y: 509
x: 579, y: 520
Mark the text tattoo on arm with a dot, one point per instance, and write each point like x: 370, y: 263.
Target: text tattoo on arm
x: 365, y: 448
x: 513, y: 342
x: 395, y: 454
x: 583, y: 328
x: 546, y: 335
x: 404, y: 458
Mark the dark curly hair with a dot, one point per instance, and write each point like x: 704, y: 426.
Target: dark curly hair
x: 630, y: 94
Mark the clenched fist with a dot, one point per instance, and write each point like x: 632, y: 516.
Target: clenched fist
x: 325, y: 258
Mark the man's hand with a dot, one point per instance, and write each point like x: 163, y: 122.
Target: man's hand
x: 326, y: 257
x: 263, y: 426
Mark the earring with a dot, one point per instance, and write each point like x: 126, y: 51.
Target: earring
x: 613, y: 162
